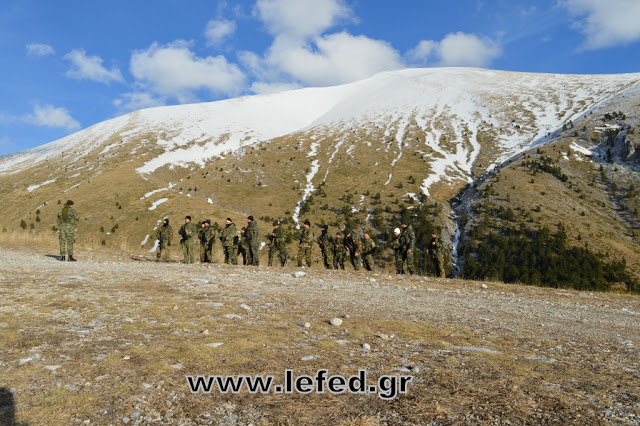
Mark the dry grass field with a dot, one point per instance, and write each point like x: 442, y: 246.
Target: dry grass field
x: 110, y: 339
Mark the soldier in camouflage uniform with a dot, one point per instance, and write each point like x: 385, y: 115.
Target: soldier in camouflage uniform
x: 252, y: 236
x: 188, y: 232
x: 368, y: 249
x: 278, y: 242
x: 325, y: 241
x: 339, y: 252
x: 304, y: 247
x: 206, y: 235
x: 352, y: 244
x: 395, y: 245
x: 67, y: 219
x: 243, y: 247
x: 164, y: 237
x: 229, y: 238
x: 407, y: 248
x: 436, y: 252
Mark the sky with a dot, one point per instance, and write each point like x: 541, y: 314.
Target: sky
x: 67, y: 65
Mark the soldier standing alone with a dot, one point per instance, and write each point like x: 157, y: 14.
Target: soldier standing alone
x: 368, y: 249
x: 229, y: 239
x: 67, y: 219
x: 187, y: 232
x: 436, y: 252
x: 325, y: 241
x: 306, y: 241
x: 165, y: 234
x: 252, y: 236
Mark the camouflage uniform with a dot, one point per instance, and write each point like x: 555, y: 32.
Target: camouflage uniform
x: 252, y: 236
x: 325, y: 241
x: 229, y: 238
x: 352, y: 243
x: 278, y: 242
x: 188, y: 231
x: 407, y: 248
x: 206, y: 235
x: 397, y: 258
x: 368, y: 248
x: 436, y: 252
x: 243, y: 247
x: 67, y: 219
x: 339, y: 252
x: 164, y: 237
x: 304, y: 247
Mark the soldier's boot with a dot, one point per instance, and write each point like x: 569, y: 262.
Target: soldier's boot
x: 62, y: 258
x: 71, y: 259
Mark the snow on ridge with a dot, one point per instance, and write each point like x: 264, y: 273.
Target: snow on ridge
x: 157, y: 203
x: 193, y: 134
x: 155, y: 191
x: 32, y: 188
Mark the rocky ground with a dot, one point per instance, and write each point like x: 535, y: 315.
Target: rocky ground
x: 110, y: 339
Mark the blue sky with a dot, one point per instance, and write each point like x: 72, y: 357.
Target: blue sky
x: 70, y: 64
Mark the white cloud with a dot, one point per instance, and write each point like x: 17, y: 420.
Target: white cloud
x: 300, y: 18
x: 218, y: 30
x: 457, y: 50
x: 137, y: 100
x: 422, y: 52
x: 49, y: 116
x: 39, y: 49
x: 90, y: 68
x: 333, y: 59
x: 174, y: 70
x: 605, y: 23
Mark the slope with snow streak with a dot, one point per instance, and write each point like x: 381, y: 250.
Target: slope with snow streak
x: 450, y: 103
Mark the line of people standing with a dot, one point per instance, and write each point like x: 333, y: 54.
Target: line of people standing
x: 345, y: 247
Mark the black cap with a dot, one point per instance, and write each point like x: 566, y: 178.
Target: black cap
x: 188, y: 217
x: 166, y: 219
x: 229, y: 220
x: 338, y: 234
x: 69, y: 203
x: 306, y: 222
x: 325, y: 227
x: 250, y: 218
x: 347, y: 231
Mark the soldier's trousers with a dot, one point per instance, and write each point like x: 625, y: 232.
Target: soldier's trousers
x: 327, y: 259
x: 189, y: 251
x: 304, y: 253
x: 253, y: 253
x: 338, y: 261
x: 67, y: 235
x: 368, y: 262
x: 230, y: 255
x: 438, y: 264
x: 355, y: 261
x: 398, y: 262
x: 244, y: 252
x: 407, y: 263
x: 205, y: 253
x: 163, y: 247
x: 282, y: 253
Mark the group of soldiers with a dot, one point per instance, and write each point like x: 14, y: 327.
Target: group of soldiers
x: 344, y: 247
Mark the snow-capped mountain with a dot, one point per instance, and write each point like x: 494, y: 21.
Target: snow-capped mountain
x: 398, y: 134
